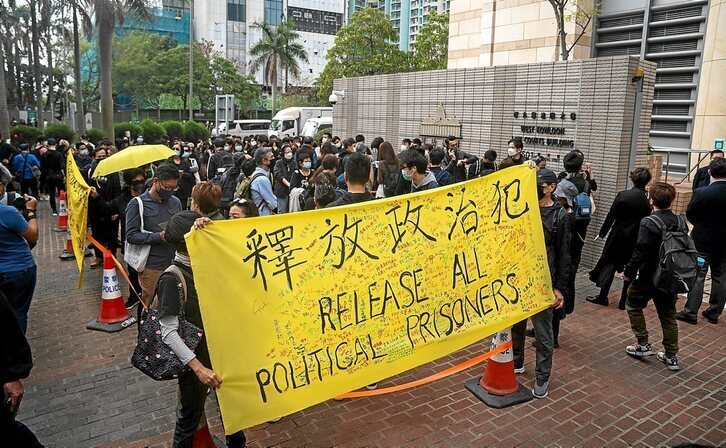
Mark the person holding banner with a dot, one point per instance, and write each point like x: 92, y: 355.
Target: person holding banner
x: 556, y: 225
x: 194, y: 382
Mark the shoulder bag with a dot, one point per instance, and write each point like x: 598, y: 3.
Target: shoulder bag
x: 152, y: 356
x: 136, y: 255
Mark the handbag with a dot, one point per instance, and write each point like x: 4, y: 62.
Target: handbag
x: 20, y: 174
x: 151, y: 355
x: 136, y: 255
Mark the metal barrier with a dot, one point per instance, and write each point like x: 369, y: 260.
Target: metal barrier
x: 667, y: 167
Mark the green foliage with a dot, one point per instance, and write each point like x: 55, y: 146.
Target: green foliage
x: 194, y: 131
x: 95, y: 135
x: 430, y: 52
x: 60, y: 132
x: 119, y: 130
x: 173, y: 129
x: 25, y: 134
x: 152, y: 131
x: 226, y: 80
x: 318, y: 137
x: 363, y: 47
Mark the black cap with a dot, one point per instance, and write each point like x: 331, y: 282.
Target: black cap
x: 546, y: 176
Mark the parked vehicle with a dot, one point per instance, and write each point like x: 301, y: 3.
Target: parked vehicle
x: 289, y: 122
x: 243, y: 128
x: 315, y: 125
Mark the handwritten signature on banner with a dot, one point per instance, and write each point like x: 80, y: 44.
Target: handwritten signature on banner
x: 299, y: 308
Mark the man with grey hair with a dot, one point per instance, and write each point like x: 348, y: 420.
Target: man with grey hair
x: 261, y: 186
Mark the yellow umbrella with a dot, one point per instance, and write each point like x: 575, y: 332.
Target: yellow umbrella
x: 132, y: 157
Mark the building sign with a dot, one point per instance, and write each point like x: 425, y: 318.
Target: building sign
x: 536, y: 132
x: 315, y: 21
x: 439, y: 127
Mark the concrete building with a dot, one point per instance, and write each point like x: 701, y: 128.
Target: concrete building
x: 680, y: 36
x: 231, y: 27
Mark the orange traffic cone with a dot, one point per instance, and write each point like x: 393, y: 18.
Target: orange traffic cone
x: 498, y: 388
x: 202, y: 437
x: 62, y: 214
x: 68, y: 253
x: 113, y: 316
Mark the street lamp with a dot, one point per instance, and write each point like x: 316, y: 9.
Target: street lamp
x: 191, y: 59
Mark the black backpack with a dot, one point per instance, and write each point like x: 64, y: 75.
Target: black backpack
x: 677, y: 266
x: 227, y: 163
x: 229, y: 181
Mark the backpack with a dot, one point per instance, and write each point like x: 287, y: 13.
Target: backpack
x: 473, y: 170
x: 297, y: 199
x: 244, y: 189
x: 583, y: 204
x: 229, y: 181
x: 226, y: 163
x: 677, y: 266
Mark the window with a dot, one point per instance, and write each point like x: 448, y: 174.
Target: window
x: 273, y: 12
x: 236, y: 10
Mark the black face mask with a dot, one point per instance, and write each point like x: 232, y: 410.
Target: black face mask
x: 138, y: 186
x: 540, y: 192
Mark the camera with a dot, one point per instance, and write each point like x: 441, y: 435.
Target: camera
x: 336, y: 96
x: 19, y: 203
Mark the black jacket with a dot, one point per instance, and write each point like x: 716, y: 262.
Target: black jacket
x: 707, y: 213
x: 15, y: 357
x: 557, y: 236
x: 701, y: 179
x: 458, y: 172
x: 645, y: 254
x: 351, y: 198
x: 283, y: 170
x: 54, y: 164
x: 622, y: 221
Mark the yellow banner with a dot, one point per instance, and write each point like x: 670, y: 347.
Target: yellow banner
x: 302, y: 307
x: 77, y: 198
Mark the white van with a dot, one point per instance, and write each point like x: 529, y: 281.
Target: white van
x: 244, y: 128
x: 289, y: 122
x: 315, y: 125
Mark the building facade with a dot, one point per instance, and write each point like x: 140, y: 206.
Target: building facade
x: 685, y: 38
x: 407, y: 16
x: 232, y: 28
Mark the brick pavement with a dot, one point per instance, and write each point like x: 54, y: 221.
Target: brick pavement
x: 83, y: 391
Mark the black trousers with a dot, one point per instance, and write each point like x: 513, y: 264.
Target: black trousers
x: 51, y: 185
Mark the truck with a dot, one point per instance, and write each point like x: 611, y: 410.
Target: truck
x: 289, y: 122
x: 315, y: 125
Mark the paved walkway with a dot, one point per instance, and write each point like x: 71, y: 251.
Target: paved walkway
x: 83, y: 392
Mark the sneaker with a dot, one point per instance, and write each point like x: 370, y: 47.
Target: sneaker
x: 274, y: 420
x: 683, y: 317
x: 709, y: 318
x: 597, y: 301
x: 372, y: 386
x: 55, y: 213
x: 640, y: 350
x: 519, y: 369
x: 670, y: 361
x: 540, y: 391
x: 131, y: 302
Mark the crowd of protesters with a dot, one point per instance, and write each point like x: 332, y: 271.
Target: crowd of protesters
x: 234, y: 178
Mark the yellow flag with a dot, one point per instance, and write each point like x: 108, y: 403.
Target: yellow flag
x: 302, y: 307
x: 77, y: 196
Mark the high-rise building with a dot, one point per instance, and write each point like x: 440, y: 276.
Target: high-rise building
x: 232, y: 28
x: 407, y: 16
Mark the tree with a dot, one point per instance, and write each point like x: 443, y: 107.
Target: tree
x: 363, y: 47
x: 36, y: 61
x: 77, y: 6
x: 582, y: 16
x: 227, y: 80
x: 170, y: 74
x: 108, y: 14
x: 4, y: 115
x: 279, y: 48
x: 431, y: 49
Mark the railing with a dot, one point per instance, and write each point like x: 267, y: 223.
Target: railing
x: 702, y: 154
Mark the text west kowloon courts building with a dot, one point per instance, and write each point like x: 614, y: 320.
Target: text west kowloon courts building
x: 686, y: 39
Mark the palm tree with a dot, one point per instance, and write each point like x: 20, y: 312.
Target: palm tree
x: 4, y: 115
x: 79, y: 9
x: 278, y: 48
x: 36, y: 62
x: 108, y: 14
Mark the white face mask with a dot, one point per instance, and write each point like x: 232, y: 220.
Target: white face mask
x: 325, y: 139
x: 404, y: 147
x: 288, y: 156
x: 253, y: 142
x: 511, y: 152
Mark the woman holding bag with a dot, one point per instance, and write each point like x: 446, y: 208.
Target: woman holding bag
x: 195, y: 380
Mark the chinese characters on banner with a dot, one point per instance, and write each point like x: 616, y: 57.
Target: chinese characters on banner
x: 77, y: 195
x: 299, y: 308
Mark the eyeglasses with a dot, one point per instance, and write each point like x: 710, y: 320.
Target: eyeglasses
x: 168, y: 187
